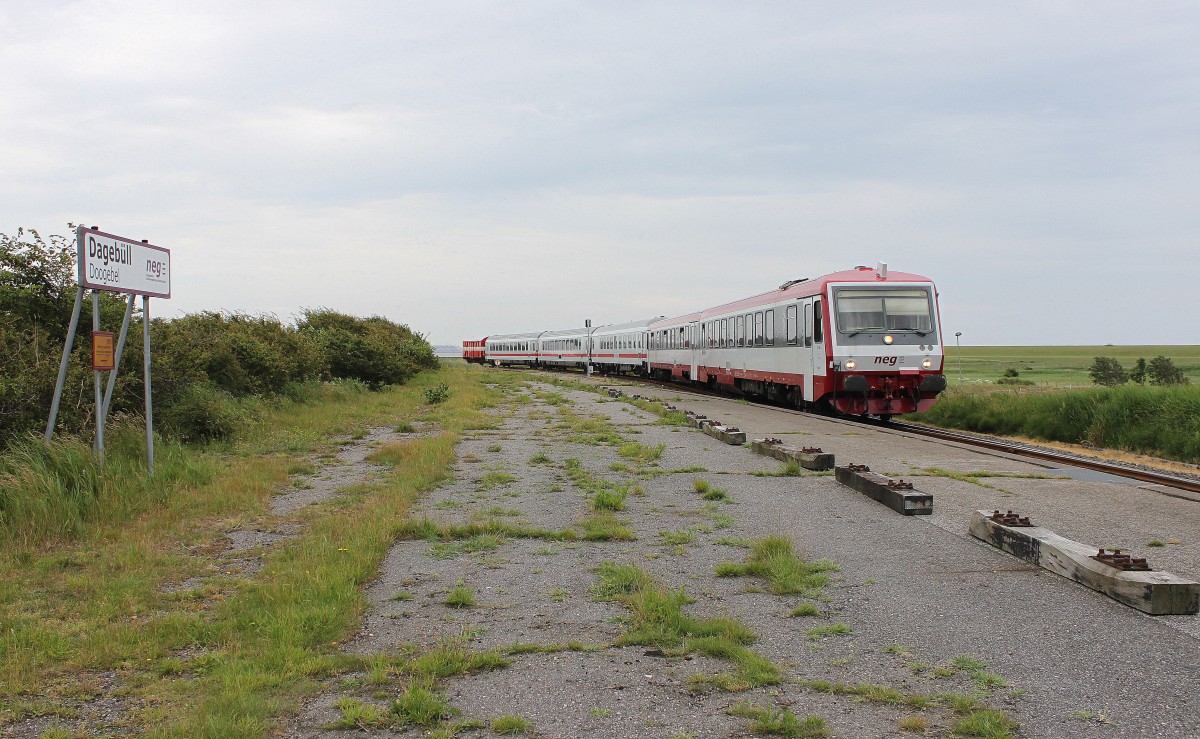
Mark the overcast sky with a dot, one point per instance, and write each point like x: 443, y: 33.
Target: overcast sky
x: 471, y: 168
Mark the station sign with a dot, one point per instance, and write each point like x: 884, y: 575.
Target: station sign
x: 117, y: 264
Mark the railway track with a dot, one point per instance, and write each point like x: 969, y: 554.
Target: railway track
x: 1157, y: 477
x: 1035, y: 452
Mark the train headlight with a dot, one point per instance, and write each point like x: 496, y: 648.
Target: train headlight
x: 927, y: 363
x: 851, y: 364
x: 888, y: 339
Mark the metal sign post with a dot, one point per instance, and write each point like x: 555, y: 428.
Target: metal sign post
x: 98, y: 445
x: 114, y: 264
x: 146, y: 372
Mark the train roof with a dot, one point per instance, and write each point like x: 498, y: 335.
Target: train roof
x: 614, y: 328
x: 516, y: 337
x: 581, y: 331
x: 798, y: 289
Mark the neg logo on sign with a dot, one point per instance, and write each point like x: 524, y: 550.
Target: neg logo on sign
x: 108, y: 262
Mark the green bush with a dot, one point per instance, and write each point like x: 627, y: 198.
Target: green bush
x: 437, y: 394
x: 1108, y: 371
x: 201, y: 413
x: 1162, y: 421
x: 1162, y: 371
x: 373, y: 350
x: 202, y: 362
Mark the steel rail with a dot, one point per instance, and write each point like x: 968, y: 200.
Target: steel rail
x: 1066, y: 458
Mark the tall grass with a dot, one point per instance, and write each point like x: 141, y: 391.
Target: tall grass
x: 56, y: 490
x: 223, y: 659
x: 1162, y: 421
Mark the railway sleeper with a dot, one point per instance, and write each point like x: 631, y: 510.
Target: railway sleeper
x: 1156, y: 593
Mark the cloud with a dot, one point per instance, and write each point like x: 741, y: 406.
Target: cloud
x: 618, y: 160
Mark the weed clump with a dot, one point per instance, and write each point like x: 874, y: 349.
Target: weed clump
x: 509, y: 725
x: 780, y: 722
x: 611, y: 498
x: 708, y: 492
x: 461, y: 596
x: 657, y: 619
x: 772, y: 558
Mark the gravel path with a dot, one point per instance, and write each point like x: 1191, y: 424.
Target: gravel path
x: 916, y: 593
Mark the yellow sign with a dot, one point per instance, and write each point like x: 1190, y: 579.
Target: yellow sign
x: 104, y: 351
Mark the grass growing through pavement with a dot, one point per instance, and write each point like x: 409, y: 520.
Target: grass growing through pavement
x: 656, y: 619
x: 509, y: 725
x: 89, y: 599
x: 461, y: 596
x: 418, y: 676
x: 708, y: 492
x: 780, y: 722
x: 609, y: 499
x: 586, y: 429
x: 602, y: 524
x: 493, y: 480
x: 774, y: 559
x: 641, y: 454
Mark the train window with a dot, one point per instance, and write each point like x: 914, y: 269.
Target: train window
x: 789, y: 321
x: 808, y: 324
x: 741, y: 332
x: 770, y: 328
x: 758, y: 329
x: 883, y: 310
x: 818, y: 322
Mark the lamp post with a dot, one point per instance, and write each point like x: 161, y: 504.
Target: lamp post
x: 959, y: 345
x: 588, y: 325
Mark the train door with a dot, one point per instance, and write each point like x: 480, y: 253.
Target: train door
x: 694, y: 336
x: 814, y: 348
x: 809, y: 359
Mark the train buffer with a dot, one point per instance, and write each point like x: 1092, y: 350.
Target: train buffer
x: 810, y: 458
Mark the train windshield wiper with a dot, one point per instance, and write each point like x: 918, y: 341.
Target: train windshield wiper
x: 856, y: 332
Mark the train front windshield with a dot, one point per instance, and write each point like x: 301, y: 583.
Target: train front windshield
x: 870, y: 310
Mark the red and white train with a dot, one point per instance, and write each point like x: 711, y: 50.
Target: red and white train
x: 858, y: 342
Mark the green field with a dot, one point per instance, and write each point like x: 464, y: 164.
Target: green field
x: 1062, y: 366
